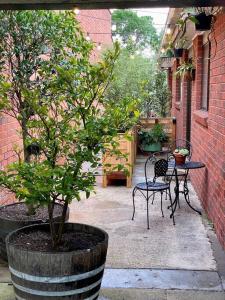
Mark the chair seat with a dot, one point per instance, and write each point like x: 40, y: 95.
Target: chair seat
x: 152, y: 186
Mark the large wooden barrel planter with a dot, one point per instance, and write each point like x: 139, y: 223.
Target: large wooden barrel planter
x: 74, y: 275
x: 8, y: 225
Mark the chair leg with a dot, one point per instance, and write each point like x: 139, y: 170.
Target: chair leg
x: 161, y: 205
x: 133, y: 194
x: 147, y: 216
x: 171, y: 204
x: 153, y: 197
x: 178, y: 201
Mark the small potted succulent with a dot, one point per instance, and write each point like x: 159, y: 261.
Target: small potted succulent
x: 180, y: 155
x: 151, y: 140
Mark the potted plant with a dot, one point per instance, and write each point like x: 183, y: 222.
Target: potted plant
x: 186, y: 70
x: 61, y: 259
x: 168, y: 52
x: 151, y: 140
x: 204, y: 18
x: 180, y: 155
x: 25, y: 40
x: 179, y: 47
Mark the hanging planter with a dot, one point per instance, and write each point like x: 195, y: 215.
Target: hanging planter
x: 189, y: 75
x: 178, y: 52
x: 203, y: 22
x: 179, y: 47
x: 186, y: 71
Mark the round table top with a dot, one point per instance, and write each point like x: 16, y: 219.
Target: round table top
x: 190, y: 165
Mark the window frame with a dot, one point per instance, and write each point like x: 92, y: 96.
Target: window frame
x: 204, y: 105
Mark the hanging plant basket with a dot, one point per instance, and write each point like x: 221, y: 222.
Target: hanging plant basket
x: 204, y: 22
x: 178, y: 52
x: 189, y: 75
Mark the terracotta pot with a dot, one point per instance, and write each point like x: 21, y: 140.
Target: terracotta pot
x: 179, y: 159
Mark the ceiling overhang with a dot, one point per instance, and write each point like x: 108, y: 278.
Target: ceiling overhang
x: 100, y: 4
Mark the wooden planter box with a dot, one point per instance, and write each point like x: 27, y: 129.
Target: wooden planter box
x: 126, y: 147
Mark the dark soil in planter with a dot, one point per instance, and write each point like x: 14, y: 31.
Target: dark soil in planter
x: 18, y: 212
x: 14, y: 216
x: 41, y: 241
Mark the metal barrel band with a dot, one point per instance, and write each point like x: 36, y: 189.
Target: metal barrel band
x: 56, y: 294
x: 60, y: 279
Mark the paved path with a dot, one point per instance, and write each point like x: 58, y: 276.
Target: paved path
x: 167, y: 262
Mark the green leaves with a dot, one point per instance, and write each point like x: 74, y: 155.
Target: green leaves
x: 141, y: 29
x: 62, y: 110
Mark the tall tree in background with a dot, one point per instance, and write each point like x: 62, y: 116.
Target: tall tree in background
x: 130, y: 75
x: 137, y: 76
x: 156, y: 95
x: 134, y: 30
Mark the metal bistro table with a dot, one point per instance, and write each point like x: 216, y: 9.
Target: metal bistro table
x: 189, y: 165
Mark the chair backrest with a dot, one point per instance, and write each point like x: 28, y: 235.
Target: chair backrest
x: 160, y: 167
x: 179, y: 143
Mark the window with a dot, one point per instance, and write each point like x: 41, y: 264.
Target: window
x: 205, y: 76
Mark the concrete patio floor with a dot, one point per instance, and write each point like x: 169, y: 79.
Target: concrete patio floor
x: 167, y: 262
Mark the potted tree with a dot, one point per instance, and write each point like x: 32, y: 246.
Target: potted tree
x: 71, y: 127
x: 151, y: 140
x: 27, y: 39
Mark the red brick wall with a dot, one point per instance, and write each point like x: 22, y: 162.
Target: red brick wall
x: 98, y: 24
x: 178, y: 102
x: 208, y: 130
x: 8, y: 137
x: 93, y: 22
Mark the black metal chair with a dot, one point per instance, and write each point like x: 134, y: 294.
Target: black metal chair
x: 149, y: 188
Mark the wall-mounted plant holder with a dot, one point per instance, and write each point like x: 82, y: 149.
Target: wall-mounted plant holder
x: 178, y: 52
x: 203, y: 22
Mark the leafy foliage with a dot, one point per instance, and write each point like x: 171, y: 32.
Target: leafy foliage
x: 131, y: 78
x: 183, y: 68
x: 154, y: 135
x: 66, y: 117
x: 139, y: 80
x: 129, y: 24
x: 156, y: 95
x: 28, y: 39
x: 182, y: 151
